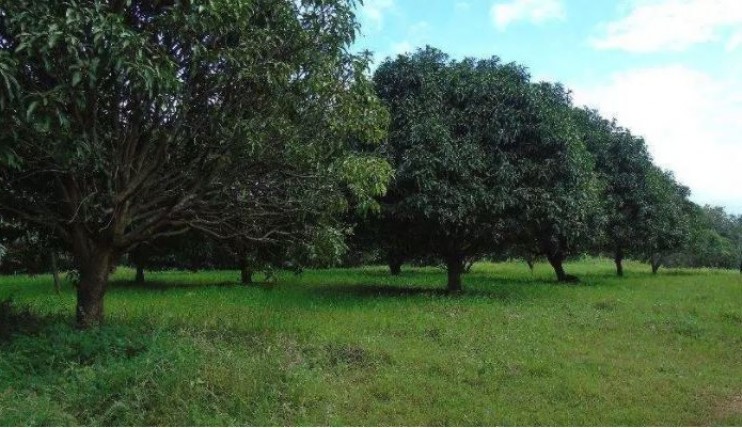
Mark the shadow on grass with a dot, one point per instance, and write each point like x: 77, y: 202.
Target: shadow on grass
x: 413, y: 271
x: 17, y: 319
x: 503, y: 290
x: 672, y: 272
x: 169, y: 285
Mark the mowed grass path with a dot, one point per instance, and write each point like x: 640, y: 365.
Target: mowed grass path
x: 359, y: 347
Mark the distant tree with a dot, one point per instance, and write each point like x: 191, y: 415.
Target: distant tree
x: 623, y: 164
x: 557, y: 194
x: 668, y: 226
x: 478, y: 151
x: 452, y: 123
x: 30, y: 250
x: 714, y: 240
x: 131, y: 121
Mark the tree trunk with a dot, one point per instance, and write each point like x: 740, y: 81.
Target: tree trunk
x: 55, y: 272
x: 529, y: 262
x: 395, y: 266
x: 556, y: 262
x: 245, y: 274
x: 93, y: 281
x: 139, y: 278
x: 656, y: 262
x: 618, y: 258
x: 455, y: 265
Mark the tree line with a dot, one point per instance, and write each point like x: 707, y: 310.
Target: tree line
x: 223, y: 133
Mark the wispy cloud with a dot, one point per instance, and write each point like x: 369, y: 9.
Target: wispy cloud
x: 373, y: 11
x: 417, y: 35
x: 533, y: 11
x: 402, y: 47
x: 689, y: 119
x: 671, y: 25
x: 734, y: 42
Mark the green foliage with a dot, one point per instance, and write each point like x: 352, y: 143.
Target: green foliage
x: 668, y: 220
x: 715, y: 240
x: 623, y: 165
x: 557, y: 212
x: 483, y: 159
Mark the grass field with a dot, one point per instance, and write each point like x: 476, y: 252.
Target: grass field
x: 358, y: 347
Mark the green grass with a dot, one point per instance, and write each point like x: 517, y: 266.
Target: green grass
x: 358, y: 347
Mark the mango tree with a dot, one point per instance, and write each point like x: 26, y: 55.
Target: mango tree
x: 130, y: 121
x: 458, y: 129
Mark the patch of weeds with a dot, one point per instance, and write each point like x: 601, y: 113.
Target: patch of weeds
x: 59, y: 344
x: 731, y: 317
x: 606, y: 305
x: 539, y: 370
x: 338, y: 356
x: 433, y: 333
x: 348, y: 355
x: 687, y: 326
x: 667, y: 369
x: 135, y: 391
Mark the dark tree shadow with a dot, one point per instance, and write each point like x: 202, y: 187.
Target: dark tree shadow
x: 500, y: 290
x: 361, y: 290
x: 156, y: 285
x: 17, y: 319
x: 670, y: 272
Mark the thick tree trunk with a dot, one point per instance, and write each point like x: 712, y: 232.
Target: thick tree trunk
x: 93, y: 281
x: 455, y: 265
x: 556, y: 262
x: 656, y: 262
x: 618, y: 258
x: 139, y: 278
x: 55, y: 273
x: 395, y: 266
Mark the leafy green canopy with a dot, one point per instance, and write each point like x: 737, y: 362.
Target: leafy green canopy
x: 668, y: 220
x: 481, y: 154
x: 624, y: 167
x: 132, y: 120
x: 446, y: 144
x: 557, y: 208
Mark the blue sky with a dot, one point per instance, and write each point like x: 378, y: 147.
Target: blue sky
x: 669, y: 70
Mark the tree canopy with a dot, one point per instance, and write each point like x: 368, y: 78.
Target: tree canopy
x: 483, y: 158
x: 134, y: 120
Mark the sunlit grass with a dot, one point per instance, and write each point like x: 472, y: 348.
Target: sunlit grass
x: 359, y: 347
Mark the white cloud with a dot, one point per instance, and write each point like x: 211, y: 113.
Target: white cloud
x: 674, y: 25
x: 374, y: 10
x: 417, y: 35
x: 691, y: 123
x: 734, y: 42
x: 401, y: 48
x: 533, y: 11
x: 419, y: 29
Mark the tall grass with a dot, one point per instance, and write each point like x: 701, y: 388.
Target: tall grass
x: 359, y: 347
